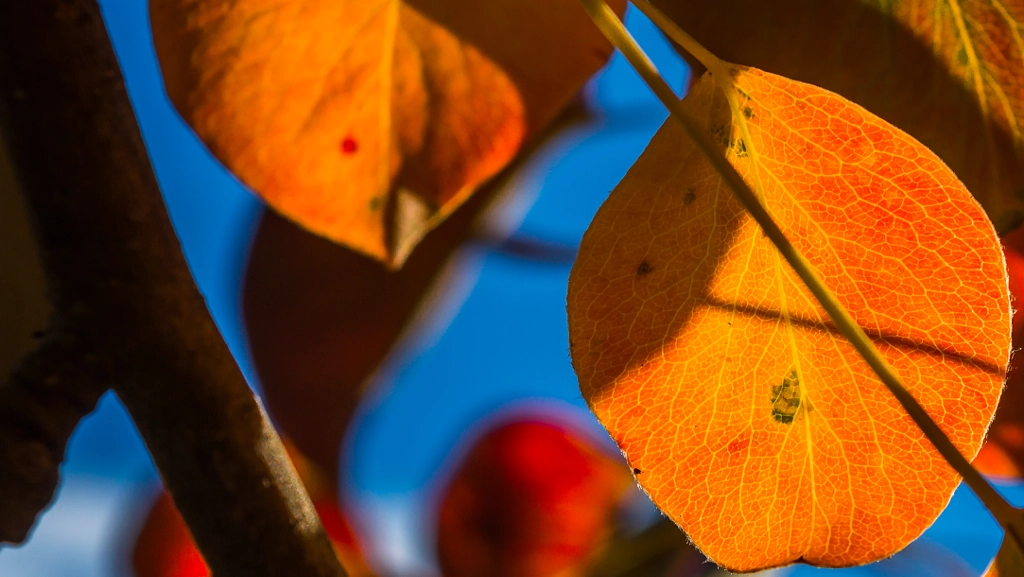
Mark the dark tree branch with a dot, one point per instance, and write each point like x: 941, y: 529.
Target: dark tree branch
x: 128, y: 313
x: 39, y: 408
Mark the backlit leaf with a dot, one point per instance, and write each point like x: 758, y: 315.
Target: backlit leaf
x: 946, y: 71
x: 369, y: 121
x: 744, y: 414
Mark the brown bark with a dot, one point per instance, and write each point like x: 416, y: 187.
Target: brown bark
x: 128, y: 314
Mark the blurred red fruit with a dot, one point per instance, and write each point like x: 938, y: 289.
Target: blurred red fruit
x: 532, y: 499
x: 164, y: 547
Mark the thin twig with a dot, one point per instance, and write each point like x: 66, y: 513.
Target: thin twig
x: 659, y: 550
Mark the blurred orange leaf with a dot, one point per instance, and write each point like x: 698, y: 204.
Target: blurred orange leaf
x: 532, y: 499
x: 369, y: 121
x: 948, y: 73
x: 745, y: 415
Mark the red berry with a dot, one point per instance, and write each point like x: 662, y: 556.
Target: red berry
x: 532, y: 499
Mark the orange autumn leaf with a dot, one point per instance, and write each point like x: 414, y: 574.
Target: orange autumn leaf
x: 744, y: 414
x: 945, y: 71
x: 369, y: 121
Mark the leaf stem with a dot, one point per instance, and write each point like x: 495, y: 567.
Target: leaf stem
x: 614, y: 30
x: 680, y: 37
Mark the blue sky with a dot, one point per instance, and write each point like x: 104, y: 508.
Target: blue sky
x: 496, y: 340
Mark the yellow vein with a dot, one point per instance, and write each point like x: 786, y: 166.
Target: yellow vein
x: 972, y: 55
x: 1007, y: 106
x: 729, y: 88
x: 1014, y: 26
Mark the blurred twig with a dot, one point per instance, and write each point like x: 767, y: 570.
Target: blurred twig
x: 661, y: 550
x: 534, y: 250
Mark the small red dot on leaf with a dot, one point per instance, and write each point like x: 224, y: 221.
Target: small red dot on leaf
x: 349, y: 145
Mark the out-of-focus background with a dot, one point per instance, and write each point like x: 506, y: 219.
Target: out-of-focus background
x: 493, y: 343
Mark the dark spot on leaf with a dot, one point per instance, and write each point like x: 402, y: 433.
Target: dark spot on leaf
x: 748, y: 112
x: 721, y: 134
x: 689, y: 197
x: 376, y: 203
x: 636, y: 471
x: 349, y: 145
x: 741, y: 148
x: 644, y: 269
x: 786, y: 398
x: 961, y: 56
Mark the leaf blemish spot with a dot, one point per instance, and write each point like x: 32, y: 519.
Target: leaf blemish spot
x: 349, y: 145
x: 786, y: 398
x: 690, y: 197
x: 721, y: 134
x: 644, y: 269
x: 636, y: 471
x: 741, y: 148
x: 748, y: 112
x: 376, y: 203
